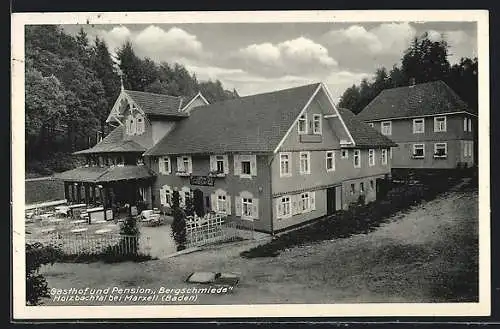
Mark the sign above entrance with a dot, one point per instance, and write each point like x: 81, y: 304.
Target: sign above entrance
x: 201, y: 180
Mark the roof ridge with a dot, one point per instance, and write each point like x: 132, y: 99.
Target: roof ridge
x: 157, y: 94
x: 254, y: 95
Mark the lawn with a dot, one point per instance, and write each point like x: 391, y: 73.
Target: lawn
x: 43, y: 190
x: 428, y: 253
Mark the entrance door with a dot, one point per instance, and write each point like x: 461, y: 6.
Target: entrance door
x: 330, y: 201
x: 338, y: 198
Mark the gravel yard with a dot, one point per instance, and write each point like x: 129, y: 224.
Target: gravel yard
x: 426, y: 254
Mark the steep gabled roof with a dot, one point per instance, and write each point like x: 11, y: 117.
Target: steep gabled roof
x: 422, y: 99
x: 362, y: 133
x: 158, y: 104
x: 114, y: 142
x: 254, y: 123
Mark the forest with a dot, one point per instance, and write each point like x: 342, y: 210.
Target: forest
x: 72, y: 82
x: 425, y: 60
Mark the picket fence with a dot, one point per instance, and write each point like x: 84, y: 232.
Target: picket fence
x: 216, y: 228
x: 94, y: 244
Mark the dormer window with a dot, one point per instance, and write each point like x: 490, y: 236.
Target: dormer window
x: 139, y: 122
x: 302, y: 124
x: 317, y: 124
x: 131, y: 126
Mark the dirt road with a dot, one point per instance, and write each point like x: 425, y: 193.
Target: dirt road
x: 427, y: 254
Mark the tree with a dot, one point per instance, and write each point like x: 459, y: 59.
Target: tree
x: 426, y: 60
x: 350, y: 99
x: 179, y: 223
x: 36, y: 256
x: 131, y: 67
x: 103, y: 66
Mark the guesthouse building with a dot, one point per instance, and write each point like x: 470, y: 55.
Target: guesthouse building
x: 433, y: 127
x: 274, y: 160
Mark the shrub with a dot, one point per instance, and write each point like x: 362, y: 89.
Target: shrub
x: 199, y: 208
x: 36, y: 256
x: 179, y: 228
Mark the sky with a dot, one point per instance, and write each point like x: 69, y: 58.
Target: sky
x: 262, y: 57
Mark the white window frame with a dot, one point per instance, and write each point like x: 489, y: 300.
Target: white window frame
x: 437, y: 128
x: 165, y: 165
x: 238, y: 165
x: 352, y: 190
x: 285, y: 202
x: 243, y: 174
x: 140, y: 127
x: 317, y: 119
x: 288, y: 162
x: 415, y: 122
x: 466, y: 148
x: 181, y: 165
x: 131, y: 125
x: 361, y: 187
x: 245, y: 201
x: 356, y: 155
x: 382, y: 128
x: 303, y: 198
x: 371, y: 157
x: 445, y: 150
x: 308, y: 159
x: 469, y: 124
x: 330, y: 155
x: 346, y: 155
x: 466, y: 124
x: 384, y: 156
x: 220, y: 159
x: 302, y: 118
x: 221, y: 197
x: 414, y: 147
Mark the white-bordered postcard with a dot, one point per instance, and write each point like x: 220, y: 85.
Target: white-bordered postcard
x: 250, y: 164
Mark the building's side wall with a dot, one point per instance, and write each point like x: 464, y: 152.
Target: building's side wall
x: 454, y: 136
x: 403, y: 156
x: 319, y: 178
x: 258, y: 185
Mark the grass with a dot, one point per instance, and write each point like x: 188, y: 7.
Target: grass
x: 360, y: 219
x: 44, y: 190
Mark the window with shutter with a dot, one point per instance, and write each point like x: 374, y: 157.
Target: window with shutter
x: 161, y: 165
x: 228, y: 204
x: 255, y: 209
x: 237, y: 165
x: 213, y: 202
x: 163, y: 200
x: 237, y: 206
x: 253, y: 165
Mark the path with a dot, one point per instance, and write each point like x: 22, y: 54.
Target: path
x: 409, y: 259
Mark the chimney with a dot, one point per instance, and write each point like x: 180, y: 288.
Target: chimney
x: 412, y: 82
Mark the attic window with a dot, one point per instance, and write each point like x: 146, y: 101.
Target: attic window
x: 302, y: 124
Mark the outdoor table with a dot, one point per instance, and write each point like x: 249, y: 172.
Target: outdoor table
x: 48, y: 230
x: 102, y: 231
x: 56, y: 220
x: 96, y: 213
x: 78, y: 221
x: 79, y: 230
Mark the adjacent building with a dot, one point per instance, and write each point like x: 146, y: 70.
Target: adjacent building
x: 276, y: 159
x: 433, y: 127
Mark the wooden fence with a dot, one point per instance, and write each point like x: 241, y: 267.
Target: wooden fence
x: 95, y: 244
x: 215, y: 228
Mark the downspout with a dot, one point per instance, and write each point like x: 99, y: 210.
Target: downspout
x: 271, y: 193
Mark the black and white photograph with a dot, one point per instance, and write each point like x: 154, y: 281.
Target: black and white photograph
x: 302, y: 163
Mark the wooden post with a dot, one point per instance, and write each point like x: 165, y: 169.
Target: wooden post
x: 66, y: 191
x: 78, y: 192
x: 87, y: 193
